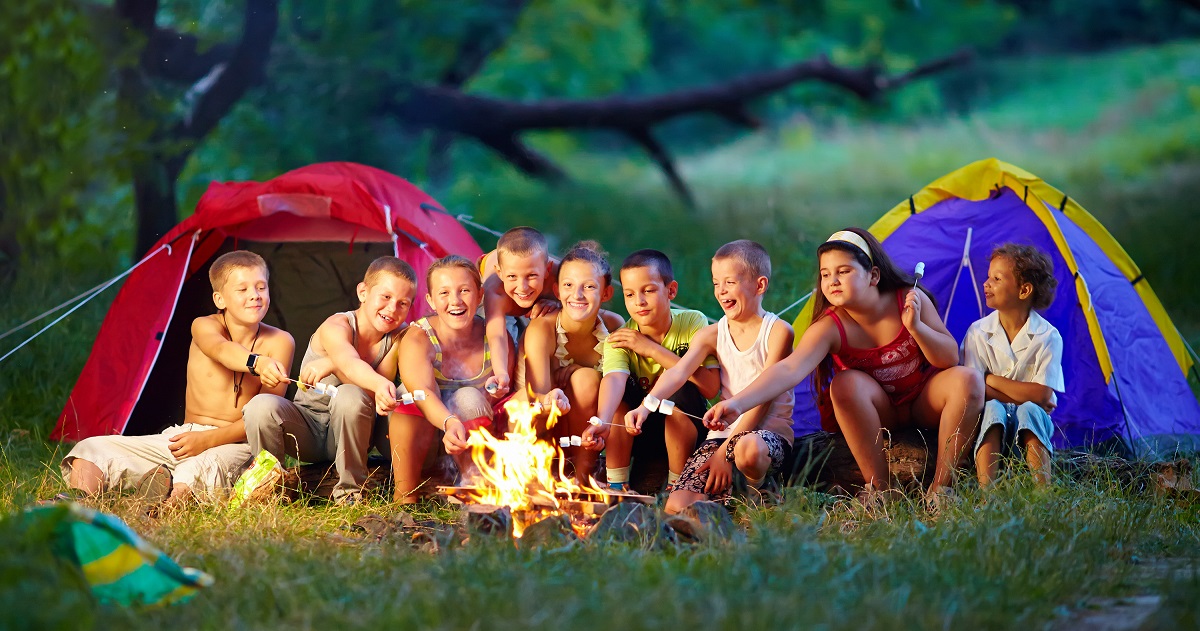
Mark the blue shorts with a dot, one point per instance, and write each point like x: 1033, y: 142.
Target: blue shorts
x: 1014, y: 419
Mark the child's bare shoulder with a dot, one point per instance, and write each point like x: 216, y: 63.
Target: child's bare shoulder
x: 275, y: 335
x: 612, y: 321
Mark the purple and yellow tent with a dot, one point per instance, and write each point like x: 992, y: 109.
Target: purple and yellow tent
x: 1125, y: 363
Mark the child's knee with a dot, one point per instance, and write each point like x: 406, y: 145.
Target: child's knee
x: 468, y: 403
x: 264, y: 412
x: 848, y: 385
x: 971, y: 382
x: 751, y: 453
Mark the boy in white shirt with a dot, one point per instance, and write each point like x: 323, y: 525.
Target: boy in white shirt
x: 1020, y: 355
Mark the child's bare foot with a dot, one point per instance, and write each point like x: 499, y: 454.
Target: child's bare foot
x: 937, y: 500
x: 878, y: 500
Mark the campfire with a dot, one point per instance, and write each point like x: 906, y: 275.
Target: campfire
x: 528, y: 476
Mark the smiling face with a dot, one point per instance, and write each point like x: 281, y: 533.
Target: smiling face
x: 843, y: 281
x: 454, y: 294
x: 582, y: 290
x: 1001, y: 290
x: 647, y: 298
x: 736, y: 290
x: 244, y: 296
x: 523, y: 276
x: 386, y: 302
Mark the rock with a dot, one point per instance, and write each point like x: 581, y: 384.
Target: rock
x: 554, y: 532
x: 708, y: 522
x: 633, y: 522
x: 485, y: 519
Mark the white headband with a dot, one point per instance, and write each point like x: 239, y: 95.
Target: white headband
x: 853, y: 239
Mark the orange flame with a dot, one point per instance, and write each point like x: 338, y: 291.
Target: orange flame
x: 518, y: 471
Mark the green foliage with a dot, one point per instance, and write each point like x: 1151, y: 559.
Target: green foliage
x: 568, y: 49
x: 58, y: 168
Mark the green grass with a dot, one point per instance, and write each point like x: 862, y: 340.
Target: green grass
x: 1026, y: 556
x: 1117, y: 132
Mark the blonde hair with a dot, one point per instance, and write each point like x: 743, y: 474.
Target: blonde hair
x: 451, y: 261
x: 751, y: 255
x: 221, y: 268
x: 521, y: 241
x: 389, y: 265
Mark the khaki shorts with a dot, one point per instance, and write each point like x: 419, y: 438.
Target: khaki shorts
x: 125, y: 459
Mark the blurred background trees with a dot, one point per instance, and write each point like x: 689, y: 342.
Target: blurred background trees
x: 111, y: 108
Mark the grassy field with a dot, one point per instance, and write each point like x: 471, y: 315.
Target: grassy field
x: 1120, y: 132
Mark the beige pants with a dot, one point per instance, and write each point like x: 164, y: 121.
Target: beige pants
x: 125, y: 459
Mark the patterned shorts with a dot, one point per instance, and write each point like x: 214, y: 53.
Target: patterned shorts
x: 693, y: 480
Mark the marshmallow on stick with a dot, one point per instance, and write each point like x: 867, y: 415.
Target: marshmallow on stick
x: 918, y: 273
x: 409, y: 397
x: 319, y: 388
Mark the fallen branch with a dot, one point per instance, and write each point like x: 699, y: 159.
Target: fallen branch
x: 497, y: 123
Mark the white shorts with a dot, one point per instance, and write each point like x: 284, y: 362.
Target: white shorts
x: 125, y: 459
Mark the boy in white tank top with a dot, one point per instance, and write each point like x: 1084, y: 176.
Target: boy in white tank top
x: 745, y: 341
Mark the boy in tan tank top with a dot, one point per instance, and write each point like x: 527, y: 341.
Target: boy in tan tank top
x: 345, y: 351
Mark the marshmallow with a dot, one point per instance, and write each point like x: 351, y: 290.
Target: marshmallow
x: 920, y: 271
x: 565, y: 441
x: 651, y: 402
x: 418, y: 395
x: 577, y: 441
x: 491, y: 388
x: 666, y: 406
x: 537, y: 407
x: 326, y: 388
x: 595, y: 421
x: 406, y: 398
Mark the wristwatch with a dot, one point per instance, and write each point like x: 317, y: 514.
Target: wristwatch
x: 250, y: 361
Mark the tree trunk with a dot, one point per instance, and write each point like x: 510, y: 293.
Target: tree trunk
x: 154, y: 195
x: 823, y: 460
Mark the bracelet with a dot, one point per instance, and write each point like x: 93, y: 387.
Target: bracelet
x: 447, y: 420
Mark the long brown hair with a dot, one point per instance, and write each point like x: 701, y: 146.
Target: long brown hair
x: 891, y: 279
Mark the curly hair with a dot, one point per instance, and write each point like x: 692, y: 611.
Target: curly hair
x: 1033, y: 266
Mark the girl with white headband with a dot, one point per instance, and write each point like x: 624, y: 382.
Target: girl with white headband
x: 880, y: 357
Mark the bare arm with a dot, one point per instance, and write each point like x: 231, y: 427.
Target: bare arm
x: 612, y: 389
x: 496, y: 305
x: 703, y: 344
x: 779, y: 346
x: 817, y: 342
x: 273, y: 365
x: 541, y: 341
x: 708, y: 380
x: 922, y: 320
x: 335, y: 337
x: 1019, y: 391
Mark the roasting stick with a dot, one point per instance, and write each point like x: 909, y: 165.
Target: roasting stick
x: 319, y: 388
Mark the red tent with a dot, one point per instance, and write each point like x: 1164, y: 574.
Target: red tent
x: 318, y: 227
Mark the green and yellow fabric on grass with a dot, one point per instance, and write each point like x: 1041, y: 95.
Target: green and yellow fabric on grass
x: 120, y: 567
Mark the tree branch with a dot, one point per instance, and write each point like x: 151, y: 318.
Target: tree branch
x: 497, y: 122
x: 245, y: 68
x: 662, y: 157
